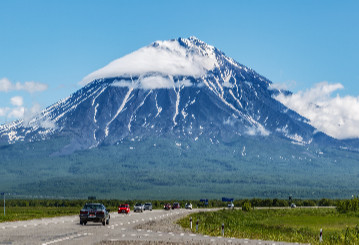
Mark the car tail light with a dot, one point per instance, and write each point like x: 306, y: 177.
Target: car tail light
x: 100, y: 212
x: 83, y: 212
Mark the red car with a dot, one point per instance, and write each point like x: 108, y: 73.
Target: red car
x: 124, y: 208
x: 167, y: 206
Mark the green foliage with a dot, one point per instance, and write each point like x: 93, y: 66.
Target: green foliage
x: 246, y: 207
x: 15, y: 213
x: 158, y: 169
x: 290, y: 225
x: 346, y: 206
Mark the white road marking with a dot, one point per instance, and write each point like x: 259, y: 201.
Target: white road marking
x: 66, y: 238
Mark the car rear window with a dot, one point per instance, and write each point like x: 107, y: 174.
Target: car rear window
x: 91, y: 206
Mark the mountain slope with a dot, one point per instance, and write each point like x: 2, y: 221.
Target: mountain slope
x: 182, y: 87
x: 175, y: 119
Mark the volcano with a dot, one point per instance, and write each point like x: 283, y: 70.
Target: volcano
x: 175, y: 115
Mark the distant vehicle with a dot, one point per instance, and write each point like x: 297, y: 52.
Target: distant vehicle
x: 148, y: 206
x: 124, y: 208
x: 293, y: 205
x: 203, y: 202
x: 167, y: 206
x: 231, y: 205
x: 176, y: 205
x: 94, y: 212
x: 188, y: 206
x: 139, y: 207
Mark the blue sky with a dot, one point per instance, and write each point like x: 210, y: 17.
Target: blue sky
x: 48, y: 47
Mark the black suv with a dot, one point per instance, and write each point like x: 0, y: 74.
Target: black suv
x: 95, y: 212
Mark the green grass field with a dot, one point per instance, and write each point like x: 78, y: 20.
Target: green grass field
x: 26, y: 213
x: 291, y: 225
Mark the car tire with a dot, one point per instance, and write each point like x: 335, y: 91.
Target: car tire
x: 81, y: 223
x: 104, y: 222
x: 108, y: 221
x: 85, y: 222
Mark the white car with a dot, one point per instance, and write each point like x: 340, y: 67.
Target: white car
x: 231, y: 205
x: 188, y: 206
x: 139, y: 207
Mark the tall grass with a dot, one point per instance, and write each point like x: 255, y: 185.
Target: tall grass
x: 26, y: 213
x: 290, y: 225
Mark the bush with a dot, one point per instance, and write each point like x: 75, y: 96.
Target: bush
x: 246, y: 207
x: 348, y: 205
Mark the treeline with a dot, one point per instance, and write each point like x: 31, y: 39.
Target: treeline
x: 345, y: 206
x: 255, y: 202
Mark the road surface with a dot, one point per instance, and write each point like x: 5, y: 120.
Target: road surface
x: 149, y: 227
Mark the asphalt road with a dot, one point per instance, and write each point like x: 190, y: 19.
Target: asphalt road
x: 149, y: 227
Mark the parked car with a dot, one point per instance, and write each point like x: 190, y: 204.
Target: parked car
x: 167, y: 206
x: 124, y: 208
x: 139, y: 207
x: 231, y: 205
x: 94, y: 212
x: 148, y: 206
x: 188, y: 206
x: 176, y: 205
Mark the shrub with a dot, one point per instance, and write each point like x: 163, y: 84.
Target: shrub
x: 246, y: 207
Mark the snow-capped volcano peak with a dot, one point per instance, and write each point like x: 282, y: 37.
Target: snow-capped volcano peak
x: 185, y: 57
x: 177, y: 88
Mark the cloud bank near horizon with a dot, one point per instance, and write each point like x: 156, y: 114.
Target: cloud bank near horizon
x: 16, y: 108
x: 31, y: 87
x: 334, y: 115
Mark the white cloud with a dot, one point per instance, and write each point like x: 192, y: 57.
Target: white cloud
x: 31, y: 86
x: 282, y: 86
x: 336, y: 116
x: 162, y: 57
x: 6, y: 85
x: 17, y: 112
x: 17, y: 101
x: 153, y: 82
x: 29, y: 114
x: 4, y: 111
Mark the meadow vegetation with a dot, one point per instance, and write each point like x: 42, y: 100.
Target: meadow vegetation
x: 23, y: 209
x: 291, y: 225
